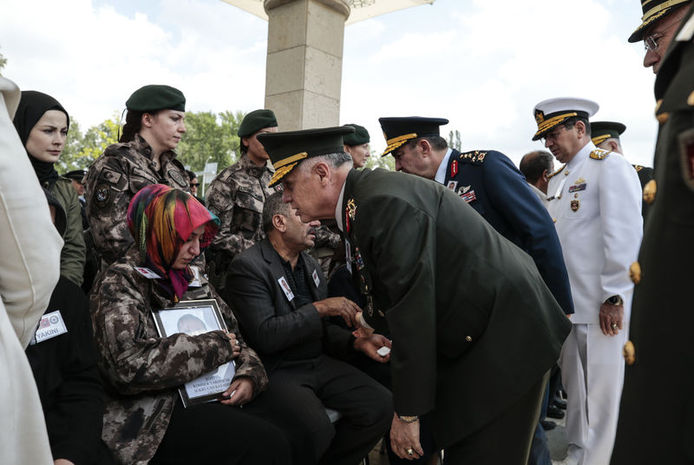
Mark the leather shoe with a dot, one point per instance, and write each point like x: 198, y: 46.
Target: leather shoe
x: 555, y: 412
x: 548, y: 425
x: 558, y: 402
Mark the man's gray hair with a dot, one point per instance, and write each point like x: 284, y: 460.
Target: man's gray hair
x: 335, y: 160
x: 274, y: 206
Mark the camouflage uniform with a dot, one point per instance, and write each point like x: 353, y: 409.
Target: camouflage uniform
x: 113, y: 180
x: 142, y: 370
x: 236, y: 196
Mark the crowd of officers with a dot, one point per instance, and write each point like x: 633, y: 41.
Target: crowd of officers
x: 440, y: 306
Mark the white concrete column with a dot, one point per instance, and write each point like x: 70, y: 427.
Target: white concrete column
x: 304, y: 61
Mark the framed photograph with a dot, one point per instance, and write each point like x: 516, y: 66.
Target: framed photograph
x: 195, y: 317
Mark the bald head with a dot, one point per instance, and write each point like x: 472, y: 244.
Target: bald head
x: 536, y: 167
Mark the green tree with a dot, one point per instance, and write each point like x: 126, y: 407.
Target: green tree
x: 454, y: 140
x: 377, y: 161
x: 210, y: 138
x: 82, y: 149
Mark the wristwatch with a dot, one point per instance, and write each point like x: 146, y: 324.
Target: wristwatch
x: 615, y: 300
x: 408, y: 419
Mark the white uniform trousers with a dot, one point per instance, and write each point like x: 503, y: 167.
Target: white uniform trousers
x: 592, y: 370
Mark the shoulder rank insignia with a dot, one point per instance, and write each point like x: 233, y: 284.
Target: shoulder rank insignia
x: 599, y: 154
x: 454, y: 168
x: 557, y: 172
x: 474, y: 156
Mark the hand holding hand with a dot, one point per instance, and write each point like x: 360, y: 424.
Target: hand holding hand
x: 338, y: 306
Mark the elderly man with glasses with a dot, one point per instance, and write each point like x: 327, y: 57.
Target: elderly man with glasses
x: 656, y: 419
x: 658, y: 25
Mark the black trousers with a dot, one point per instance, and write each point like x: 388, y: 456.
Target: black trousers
x: 221, y: 434
x: 506, y: 440
x: 366, y: 407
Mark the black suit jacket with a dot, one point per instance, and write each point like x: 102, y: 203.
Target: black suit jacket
x: 272, y: 324
x: 473, y: 324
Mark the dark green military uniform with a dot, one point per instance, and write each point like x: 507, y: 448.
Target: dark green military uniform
x: 656, y: 423
x: 474, y: 327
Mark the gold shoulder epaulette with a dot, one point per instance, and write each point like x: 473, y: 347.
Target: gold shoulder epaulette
x: 473, y: 156
x: 599, y: 154
x: 637, y: 167
x: 557, y: 172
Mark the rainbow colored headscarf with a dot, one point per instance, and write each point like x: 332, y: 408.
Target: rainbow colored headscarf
x: 161, y: 219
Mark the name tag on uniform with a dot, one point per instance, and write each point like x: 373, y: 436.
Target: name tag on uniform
x: 50, y: 326
x: 452, y: 185
x: 147, y: 273
x: 316, y: 278
x: 285, y: 287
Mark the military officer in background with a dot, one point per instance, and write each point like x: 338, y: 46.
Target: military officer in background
x: 452, y: 292
x: 595, y: 200
x: 237, y: 196
x: 357, y: 145
x: 656, y: 422
x: 537, y: 166
x: 605, y: 135
x: 490, y: 183
x: 144, y: 155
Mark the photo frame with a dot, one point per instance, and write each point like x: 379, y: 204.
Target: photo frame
x: 195, y: 317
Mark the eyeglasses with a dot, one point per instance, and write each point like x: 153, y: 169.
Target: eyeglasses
x: 552, y: 135
x: 650, y: 42
x: 194, y: 184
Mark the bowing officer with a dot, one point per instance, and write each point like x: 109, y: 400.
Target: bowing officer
x: 595, y: 199
x: 605, y: 135
x: 656, y: 420
x: 474, y: 328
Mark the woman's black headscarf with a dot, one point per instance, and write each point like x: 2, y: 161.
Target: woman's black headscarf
x: 31, y: 108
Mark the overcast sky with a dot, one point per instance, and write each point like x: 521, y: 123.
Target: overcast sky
x: 483, y: 64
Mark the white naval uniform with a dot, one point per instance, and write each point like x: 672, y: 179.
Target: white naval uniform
x: 596, y: 206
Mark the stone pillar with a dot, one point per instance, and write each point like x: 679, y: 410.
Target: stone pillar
x: 304, y: 61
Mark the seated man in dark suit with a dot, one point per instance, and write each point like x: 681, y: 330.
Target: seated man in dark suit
x: 278, y: 293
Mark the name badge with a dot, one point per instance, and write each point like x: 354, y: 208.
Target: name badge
x: 196, y: 282
x: 50, y: 326
x: 452, y: 185
x: 316, y: 278
x: 147, y: 273
x: 285, y: 287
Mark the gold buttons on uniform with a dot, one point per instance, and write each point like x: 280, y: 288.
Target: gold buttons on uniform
x: 649, y: 191
x: 629, y: 352
x: 635, y: 272
x: 468, y: 339
x: 690, y: 99
x: 662, y: 117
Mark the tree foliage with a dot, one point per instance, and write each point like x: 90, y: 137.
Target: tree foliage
x: 210, y: 138
x: 375, y: 160
x: 454, y: 140
x: 81, y: 149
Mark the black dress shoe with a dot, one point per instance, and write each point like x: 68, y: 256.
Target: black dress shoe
x: 555, y: 412
x: 557, y: 402
x: 548, y: 425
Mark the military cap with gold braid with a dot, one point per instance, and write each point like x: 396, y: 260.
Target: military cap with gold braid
x: 288, y: 149
x: 553, y: 112
x: 399, y: 130
x: 653, y: 10
x: 600, y: 131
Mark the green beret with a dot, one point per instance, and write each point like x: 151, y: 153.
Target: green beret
x: 156, y: 97
x: 358, y: 137
x: 255, y: 121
